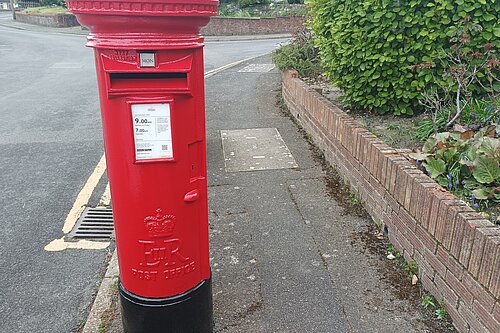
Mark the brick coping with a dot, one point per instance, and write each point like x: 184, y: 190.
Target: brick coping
x: 457, y: 250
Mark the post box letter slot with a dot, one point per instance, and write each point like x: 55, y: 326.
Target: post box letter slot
x: 148, y: 81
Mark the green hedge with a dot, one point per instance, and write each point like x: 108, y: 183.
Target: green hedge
x: 368, y: 46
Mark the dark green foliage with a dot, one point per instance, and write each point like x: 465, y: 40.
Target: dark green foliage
x: 249, y: 3
x: 465, y: 162
x: 61, y: 3
x: 368, y: 47
x: 300, y: 55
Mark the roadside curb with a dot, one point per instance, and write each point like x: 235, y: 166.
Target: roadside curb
x: 104, y: 298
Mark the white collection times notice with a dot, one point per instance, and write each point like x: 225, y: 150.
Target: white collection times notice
x: 152, y: 131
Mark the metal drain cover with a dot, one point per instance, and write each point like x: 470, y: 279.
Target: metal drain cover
x: 95, y: 223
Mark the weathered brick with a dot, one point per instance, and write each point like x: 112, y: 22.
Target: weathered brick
x: 400, y: 187
x: 488, y: 260
x: 426, y: 238
x: 475, y: 326
x: 417, y: 243
x: 457, y: 238
x: 451, y: 263
x: 379, y: 189
x: 415, y: 194
x: 458, y: 321
x: 423, y: 213
x: 388, y: 169
x: 478, y: 291
x: 371, y: 165
x: 380, y: 159
x: 436, y: 264
x: 459, y: 288
x: 407, y: 220
x: 428, y: 283
x: 436, y: 209
x: 395, y: 165
x: 384, y: 161
x: 486, y: 317
x: 469, y: 236
x: 494, y: 285
x: 407, y: 246
x: 391, y: 202
x: 475, y: 261
x: 355, y: 142
x: 394, y: 239
x: 411, y: 176
x: 453, y: 212
x: 449, y: 296
x: 496, y: 312
x: 442, y: 218
x: 367, y: 140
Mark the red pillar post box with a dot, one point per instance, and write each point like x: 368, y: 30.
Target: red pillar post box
x: 149, y: 59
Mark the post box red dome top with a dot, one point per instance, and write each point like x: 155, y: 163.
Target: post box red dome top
x: 152, y: 19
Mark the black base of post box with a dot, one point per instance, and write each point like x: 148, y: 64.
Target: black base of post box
x: 190, y: 312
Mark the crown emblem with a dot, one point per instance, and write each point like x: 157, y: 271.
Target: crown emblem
x: 160, y: 225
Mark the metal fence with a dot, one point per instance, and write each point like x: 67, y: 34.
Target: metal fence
x: 18, y: 5
x: 26, y: 4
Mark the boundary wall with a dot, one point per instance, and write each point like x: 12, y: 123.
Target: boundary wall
x: 224, y: 26
x: 56, y: 21
x: 218, y: 26
x: 457, y: 251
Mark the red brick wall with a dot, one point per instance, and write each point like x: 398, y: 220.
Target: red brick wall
x: 458, y: 252
x: 220, y: 26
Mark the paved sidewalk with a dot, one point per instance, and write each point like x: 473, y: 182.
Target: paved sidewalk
x: 283, y: 252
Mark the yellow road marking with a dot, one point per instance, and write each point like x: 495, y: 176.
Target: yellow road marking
x: 61, y: 245
x: 83, y: 197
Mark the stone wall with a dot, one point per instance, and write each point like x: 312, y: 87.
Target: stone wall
x: 457, y: 251
x: 222, y: 26
x: 57, y: 21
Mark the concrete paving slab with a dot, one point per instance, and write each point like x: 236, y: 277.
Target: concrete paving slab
x: 255, y: 149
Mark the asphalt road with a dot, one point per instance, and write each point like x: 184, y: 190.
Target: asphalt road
x: 50, y: 142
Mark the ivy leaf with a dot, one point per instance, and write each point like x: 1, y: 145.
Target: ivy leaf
x: 486, y: 170
x: 435, y: 166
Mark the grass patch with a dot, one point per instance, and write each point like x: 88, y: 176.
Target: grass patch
x: 45, y: 10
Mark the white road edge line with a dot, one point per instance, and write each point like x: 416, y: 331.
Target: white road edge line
x: 83, y: 197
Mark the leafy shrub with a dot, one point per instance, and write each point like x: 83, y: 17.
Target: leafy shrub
x: 249, y: 3
x: 61, y: 3
x: 467, y: 83
x: 367, y: 47
x: 465, y: 162
x: 299, y: 54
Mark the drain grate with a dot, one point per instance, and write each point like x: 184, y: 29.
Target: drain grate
x: 95, y: 223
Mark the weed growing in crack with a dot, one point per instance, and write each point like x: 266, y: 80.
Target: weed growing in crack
x: 440, y: 312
